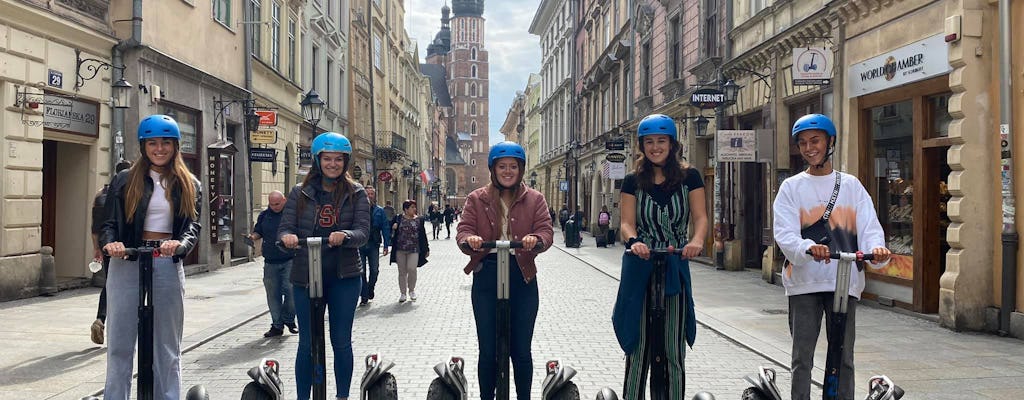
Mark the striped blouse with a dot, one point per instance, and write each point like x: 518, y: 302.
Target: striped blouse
x: 662, y: 213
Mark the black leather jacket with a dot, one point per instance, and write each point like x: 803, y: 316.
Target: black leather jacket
x: 117, y: 228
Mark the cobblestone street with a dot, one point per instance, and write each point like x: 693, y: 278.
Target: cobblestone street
x: 574, y: 324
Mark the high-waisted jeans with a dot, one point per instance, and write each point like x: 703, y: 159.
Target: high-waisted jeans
x: 341, y: 297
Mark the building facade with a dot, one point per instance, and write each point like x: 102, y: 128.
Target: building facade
x: 553, y: 24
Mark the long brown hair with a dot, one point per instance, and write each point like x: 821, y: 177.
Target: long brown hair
x: 178, y: 177
x: 344, y: 186
x: 673, y: 176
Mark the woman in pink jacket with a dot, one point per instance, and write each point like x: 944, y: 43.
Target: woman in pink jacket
x: 506, y: 209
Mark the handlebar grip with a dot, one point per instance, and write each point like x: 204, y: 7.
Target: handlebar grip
x: 836, y: 256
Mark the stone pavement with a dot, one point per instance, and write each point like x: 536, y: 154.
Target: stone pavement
x: 929, y: 361
x: 574, y: 324
x: 48, y: 354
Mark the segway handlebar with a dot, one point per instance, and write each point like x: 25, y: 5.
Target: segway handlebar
x: 302, y: 241
x: 661, y: 251
x: 134, y: 251
x: 858, y: 256
x: 495, y: 244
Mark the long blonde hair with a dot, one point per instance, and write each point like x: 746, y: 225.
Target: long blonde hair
x: 178, y: 177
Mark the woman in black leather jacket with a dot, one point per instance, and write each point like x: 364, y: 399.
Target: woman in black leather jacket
x: 156, y: 202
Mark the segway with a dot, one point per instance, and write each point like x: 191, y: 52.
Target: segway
x: 655, y: 328
x: 144, y: 380
x: 451, y: 383
x: 378, y: 383
x: 266, y: 381
x: 764, y: 387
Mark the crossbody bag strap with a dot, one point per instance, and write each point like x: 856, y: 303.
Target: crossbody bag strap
x: 832, y: 201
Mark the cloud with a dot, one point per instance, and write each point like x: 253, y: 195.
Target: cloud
x: 514, y: 52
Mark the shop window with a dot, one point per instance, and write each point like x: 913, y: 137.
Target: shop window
x: 892, y: 128
x: 187, y: 123
x: 938, y: 109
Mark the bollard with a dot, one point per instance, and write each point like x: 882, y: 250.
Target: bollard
x: 48, y: 272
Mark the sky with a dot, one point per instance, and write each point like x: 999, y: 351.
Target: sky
x: 514, y: 52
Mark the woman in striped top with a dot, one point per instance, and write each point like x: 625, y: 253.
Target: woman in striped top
x: 659, y: 203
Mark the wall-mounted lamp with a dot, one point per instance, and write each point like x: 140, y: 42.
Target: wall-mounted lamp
x: 119, y: 90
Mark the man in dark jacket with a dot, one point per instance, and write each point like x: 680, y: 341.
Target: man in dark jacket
x: 380, y: 231
x: 277, y: 266
x: 99, y: 216
x: 449, y: 217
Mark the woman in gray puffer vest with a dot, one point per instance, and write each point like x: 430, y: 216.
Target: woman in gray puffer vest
x: 327, y: 204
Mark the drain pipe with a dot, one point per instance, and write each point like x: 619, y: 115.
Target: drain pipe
x: 117, y: 59
x: 1009, y: 235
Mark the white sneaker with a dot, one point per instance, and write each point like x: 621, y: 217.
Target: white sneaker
x: 412, y: 296
x: 402, y: 299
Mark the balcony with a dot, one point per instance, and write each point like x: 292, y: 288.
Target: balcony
x: 391, y: 146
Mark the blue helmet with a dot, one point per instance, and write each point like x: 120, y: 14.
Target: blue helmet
x: 814, y: 121
x: 158, y: 126
x: 331, y: 142
x: 505, y: 149
x: 657, y: 124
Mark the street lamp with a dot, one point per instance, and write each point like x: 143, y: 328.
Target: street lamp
x: 533, y: 179
x: 120, y: 91
x: 312, y: 108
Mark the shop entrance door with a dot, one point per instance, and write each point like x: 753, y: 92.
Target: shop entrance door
x: 935, y: 222
x: 753, y: 214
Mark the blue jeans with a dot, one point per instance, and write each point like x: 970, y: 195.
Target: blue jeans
x: 525, y: 300
x: 341, y: 296
x: 279, y: 293
x: 371, y: 266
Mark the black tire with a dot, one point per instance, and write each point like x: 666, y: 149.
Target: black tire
x: 753, y: 394
x: 567, y: 392
x: 197, y: 392
x: 386, y: 388
x: 439, y: 390
x: 253, y: 391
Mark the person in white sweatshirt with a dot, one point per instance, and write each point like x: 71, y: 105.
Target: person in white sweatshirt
x: 810, y: 279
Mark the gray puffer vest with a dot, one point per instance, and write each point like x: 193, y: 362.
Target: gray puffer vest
x: 353, y: 218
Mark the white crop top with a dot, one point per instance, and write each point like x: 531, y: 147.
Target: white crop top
x: 158, y: 216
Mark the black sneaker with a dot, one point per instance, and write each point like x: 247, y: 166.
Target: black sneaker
x: 292, y: 328
x: 274, y: 332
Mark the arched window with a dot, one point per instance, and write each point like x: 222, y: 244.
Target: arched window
x: 473, y: 163
x: 473, y: 178
x: 472, y: 54
x: 472, y: 108
x: 472, y: 90
x: 472, y: 128
x: 474, y: 71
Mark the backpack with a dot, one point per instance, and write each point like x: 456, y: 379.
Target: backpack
x: 563, y: 215
x: 603, y: 218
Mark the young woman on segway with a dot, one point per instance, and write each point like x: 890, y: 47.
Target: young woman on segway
x: 658, y: 203
x: 154, y: 203
x: 327, y: 204
x: 506, y: 209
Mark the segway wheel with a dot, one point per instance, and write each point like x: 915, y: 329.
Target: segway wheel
x: 197, y: 392
x: 439, y: 390
x: 253, y: 391
x: 753, y: 394
x: 386, y: 388
x: 567, y: 392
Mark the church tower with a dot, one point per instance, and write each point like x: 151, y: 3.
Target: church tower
x: 459, y: 46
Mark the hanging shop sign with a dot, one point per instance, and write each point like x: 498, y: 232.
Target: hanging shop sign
x: 260, y: 154
x: 267, y: 136
x: 384, y: 176
x: 615, y: 144
x: 305, y: 156
x: 707, y: 98
x: 267, y: 117
x: 357, y: 172
x: 615, y: 157
x: 812, y: 66
x: 71, y: 115
x: 563, y: 186
x: 923, y: 59
x: 736, y: 145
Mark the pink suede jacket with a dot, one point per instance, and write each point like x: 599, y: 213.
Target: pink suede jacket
x: 528, y: 215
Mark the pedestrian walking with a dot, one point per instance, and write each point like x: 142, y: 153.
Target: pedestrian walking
x: 563, y: 217
x: 328, y: 203
x: 505, y: 209
x: 818, y: 203
x: 435, y: 217
x: 411, y: 248
x: 659, y: 202
x: 604, y: 219
x: 277, y: 267
x: 156, y: 203
x: 449, y: 217
x: 99, y: 216
x: 389, y: 210
x: 380, y: 232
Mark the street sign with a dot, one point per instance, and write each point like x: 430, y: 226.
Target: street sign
x: 384, y: 176
x: 615, y: 157
x: 55, y: 79
x: 263, y: 137
x: 733, y: 145
x: 259, y: 154
x: 305, y: 156
x: 563, y: 186
x: 811, y: 66
x: 267, y: 117
x: 707, y: 98
x: 615, y: 144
